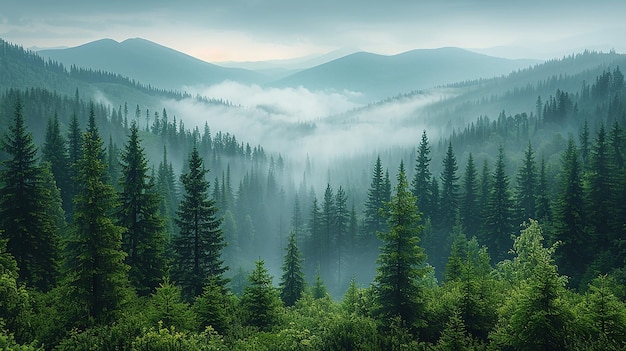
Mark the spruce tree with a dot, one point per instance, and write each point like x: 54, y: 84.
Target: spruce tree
x: 54, y: 152
x: 95, y: 271
x: 569, y: 217
x: 469, y: 209
x: 327, y: 220
x: 342, y: 217
x: 375, y: 200
x: 600, y: 191
x: 420, y: 186
x: 449, y: 193
x: 260, y: 300
x: 74, y: 152
x: 526, y: 190
x: 198, y: 246
x: 144, y: 238
x: 544, y: 211
x: 499, y: 220
x: 30, y: 230
x: 292, y: 282
x: 396, y: 286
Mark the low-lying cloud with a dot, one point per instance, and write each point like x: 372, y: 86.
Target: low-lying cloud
x: 297, y: 122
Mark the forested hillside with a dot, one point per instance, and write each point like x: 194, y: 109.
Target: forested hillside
x: 124, y: 228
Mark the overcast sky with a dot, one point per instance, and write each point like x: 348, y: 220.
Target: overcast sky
x: 253, y: 30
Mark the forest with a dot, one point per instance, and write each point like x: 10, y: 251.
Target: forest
x: 124, y: 229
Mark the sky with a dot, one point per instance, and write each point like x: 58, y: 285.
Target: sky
x: 258, y: 30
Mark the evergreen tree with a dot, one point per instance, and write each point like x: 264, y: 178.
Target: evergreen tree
x: 396, y: 286
x: 260, y: 300
x: 525, y: 192
x: 54, y: 151
x: 95, y: 271
x: 469, y: 209
x: 584, y: 144
x: 75, y: 152
x: 449, y: 193
x: 375, y: 199
x: 499, y: 220
x: 144, y: 239
x: 327, y: 221
x: 198, y: 246
x: 420, y: 186
x: 544, y: 211
x: 318, y: 290
x: 314, y: 253
x: 30, y: 230
x: 535, y: 316
x: 212, y: 307
x: 342, y: 217
x: 292, y: 282
x: 484, y: 191
x: 600, y: 192
x: 569, y: 219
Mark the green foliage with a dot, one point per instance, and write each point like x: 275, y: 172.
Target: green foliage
x: 27, y: 224
x: 199, y: 244
x: 420, y: 185
x: 95, y: 273
x: 15, y: 309
x: 292, y: 282
x: 144, y: 238
x: 535, y: 316
x: 260, y: 300
x: 318, y: 290
x: 400, y: 261
x: 499, y: 218
x: 214, y: 307
x: 168, y: 339
x: 167, y: 308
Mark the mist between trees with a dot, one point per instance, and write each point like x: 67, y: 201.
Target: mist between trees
x: 123, y: 228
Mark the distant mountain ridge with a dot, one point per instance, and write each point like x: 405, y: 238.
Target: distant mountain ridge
x: 148, y: 62
x: 380, y: 76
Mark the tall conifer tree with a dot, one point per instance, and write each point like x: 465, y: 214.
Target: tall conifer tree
x: 144, y: 239
x: 499, y: 220
x: 397, y: 289
x: 30, y: 229
x: 198, y: 246
x: 95, y: 271
x: 292, y: 282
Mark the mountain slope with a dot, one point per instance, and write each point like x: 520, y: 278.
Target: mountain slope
x: 149, y: 63
x: 379, y: 76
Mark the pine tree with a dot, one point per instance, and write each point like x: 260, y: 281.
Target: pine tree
x: 260, y: 300
x: 569, y: 219
x: 144, y: 239
x: 212, y: 307
x: 95, y: 271
x: 75, y: 152
x: 525, y: 192
x: 318, y: 290
x: 584, y: 144
x: 449, y: 193
x: 198, y: 246
x: 420, y: 186
x: 544, y: 211
x: 292, y: 282
x: 600, y: 191
x: 327, y: 220
x: 342, y: 217
x: 375, y: 200
x: 535, y: 316
x: 469, y: 209
x: 30, y: 230
x: 54, y: 151
x: 499, y: 220
x: 396, y: 286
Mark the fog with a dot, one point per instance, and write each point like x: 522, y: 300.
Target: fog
x: 298, y: 122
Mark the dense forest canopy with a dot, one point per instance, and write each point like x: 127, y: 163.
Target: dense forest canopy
x: 501, y: 228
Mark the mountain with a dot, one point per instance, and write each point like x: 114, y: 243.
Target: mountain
x: 149, y: 63
x: 380, y: 76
